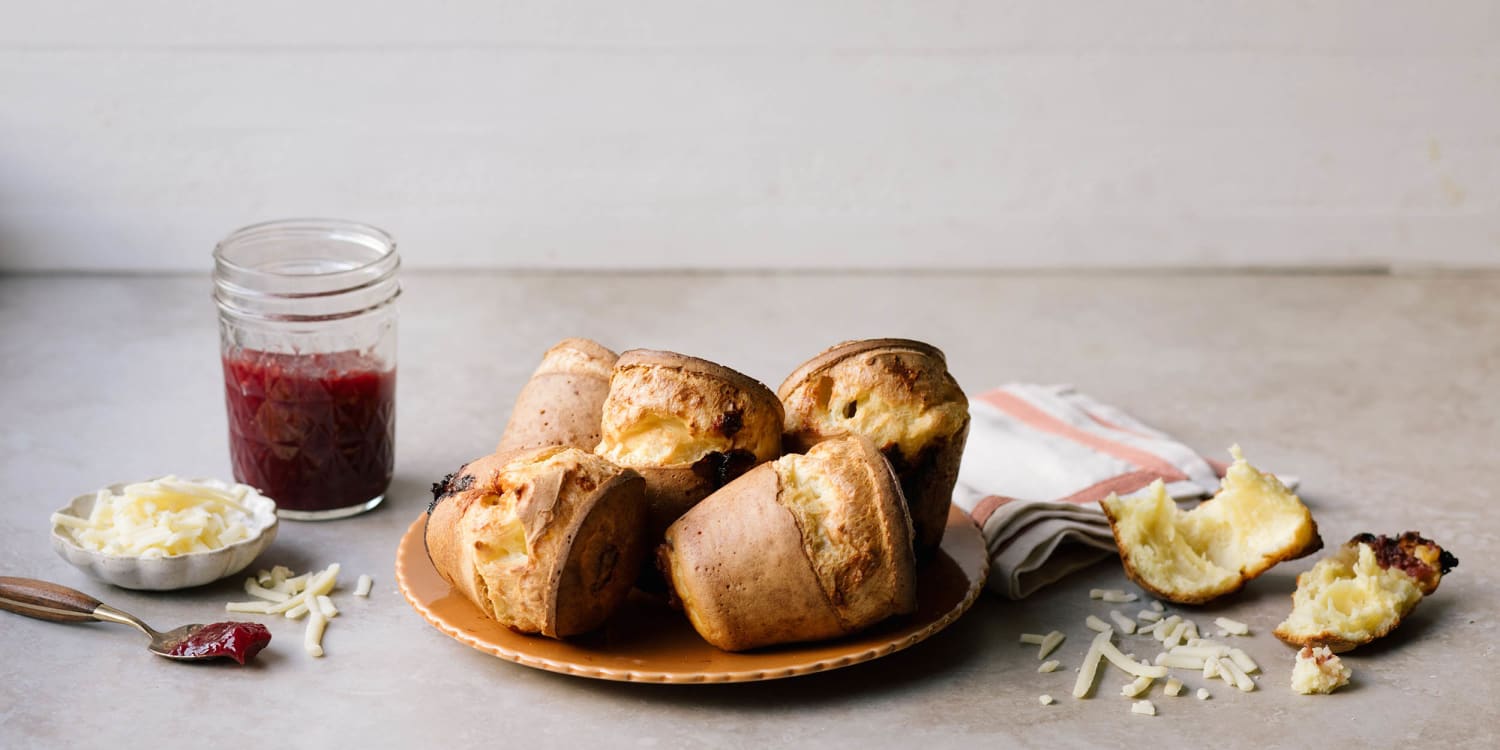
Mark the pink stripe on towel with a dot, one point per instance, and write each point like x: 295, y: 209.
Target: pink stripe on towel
x: 1041, y: 420
x: 1120, y: 485
x: 986, y: 507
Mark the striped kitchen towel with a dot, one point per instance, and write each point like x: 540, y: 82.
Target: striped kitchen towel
x: 1038, y: 460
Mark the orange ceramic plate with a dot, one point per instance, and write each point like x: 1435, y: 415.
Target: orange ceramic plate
x: 647, y: 642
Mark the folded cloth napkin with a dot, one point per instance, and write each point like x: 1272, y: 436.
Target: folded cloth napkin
x: 1038, y: 460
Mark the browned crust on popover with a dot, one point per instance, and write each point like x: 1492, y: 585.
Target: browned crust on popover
x: 715, y: 402
x: 562, y: 402
x: 741, y: 567
x: 584, y: 525
x: 902, y: 371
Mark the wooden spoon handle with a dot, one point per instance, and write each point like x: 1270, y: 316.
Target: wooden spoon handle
x: 46, y: 601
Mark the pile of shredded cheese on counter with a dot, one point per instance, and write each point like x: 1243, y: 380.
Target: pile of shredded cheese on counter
x: 279, y: 592
x: 163, y: 518
x: 1182, y: 647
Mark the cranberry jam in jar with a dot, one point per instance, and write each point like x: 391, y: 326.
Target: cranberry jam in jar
x: 307, y: 331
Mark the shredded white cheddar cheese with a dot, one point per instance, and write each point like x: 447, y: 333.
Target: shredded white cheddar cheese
x: 1243, y: 661
x: 255, y: 589
x: 1158, y: 606
x: 1174, y: 636
x: 363, y: 586
x: 1149, y: 615
x: 1046, y: 700
x: 1173, y: 688
x: 256, y: 608
x: 1230, y: 672
x: 1119, y: 659
x: 1202, y: 652
x: 1136, y: 687
x: 1203, y: 648
x: 1049, y: 666
x: 1050, y: 642
x: 1232, y: 627
x: 1034, y: 639
x: 1090, y: 668
x: 1165, y: 627
x: 1114, y: 596
x: 1179, y: 661
x: 312, y: 639
x: 1127, y: 625
x: 295, y: 584
x: 1145, y: 708
x: 1097, y: 625
x: 294, y: 597
x: 1203, y: 694
x: 163, y: 518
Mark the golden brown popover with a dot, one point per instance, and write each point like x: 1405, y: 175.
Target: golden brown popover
x: 806, y: 548
x: 898, y: 393
x: 544, y: 541
x: 562, y: 402
x: 689, y: 426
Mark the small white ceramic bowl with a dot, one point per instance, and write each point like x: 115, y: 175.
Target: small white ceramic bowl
x: 177, y: 571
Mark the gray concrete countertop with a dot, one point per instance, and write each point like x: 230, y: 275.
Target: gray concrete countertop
x: 1382, y: 393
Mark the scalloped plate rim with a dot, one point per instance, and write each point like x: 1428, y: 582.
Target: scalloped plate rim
x: 905, y: 638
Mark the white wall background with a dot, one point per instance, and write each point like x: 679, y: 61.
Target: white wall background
x: 672, y: 134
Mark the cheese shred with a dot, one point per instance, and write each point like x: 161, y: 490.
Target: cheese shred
x: 308, y: 595
x: 164, y: 518
x: 1090, y: 669
x: 1232, y: 627
x: 1136, y: 687
x: 1131, y: 666
x: 1049, y: 644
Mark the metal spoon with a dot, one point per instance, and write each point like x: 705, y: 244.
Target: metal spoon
x: 49, y: 601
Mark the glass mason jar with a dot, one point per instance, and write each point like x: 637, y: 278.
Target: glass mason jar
x: 307, y: 333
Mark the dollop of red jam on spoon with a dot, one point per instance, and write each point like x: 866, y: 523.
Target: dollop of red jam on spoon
x: 240, y: 641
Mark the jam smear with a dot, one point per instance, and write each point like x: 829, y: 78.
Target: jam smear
x: 1411, y: 553
x: 240, y: 641
x: 311, y: 431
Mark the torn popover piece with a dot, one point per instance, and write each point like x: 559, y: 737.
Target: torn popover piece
x: 1318, y: 672
x: 1192, y: 557
x: 545, y: 541
x: 806, y: 548
x: 687, y: 425
x: 899, y: 394
x: 563, y: 401
x: 1362, y: 591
